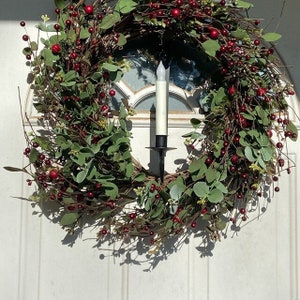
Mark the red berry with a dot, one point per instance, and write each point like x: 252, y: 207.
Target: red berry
x: 193, y: 224
x: 57, y: 11
x: 71, y: 207
x: 132, y: 216
x: 55, y: 49
x: 90, y: 195
x: 22, y: 23
x: 279, y: 145
x: 214, y: 33
x: 232, y: 169
x: 53, y: 174
x: 98, y: 186
x: 68, y: 22
x: 104, y: 231
x: 112, y: 93
x: 277, y: 189
x: 261, y: 92
x: 269, y: 133
x: 256, y: 42
x: 281, y: 162
x: 243, y: 211
x: 204, y: 211
x: 175, y: 12
x: 234, y: 159
x: 56, y: 27
x: 231, y: 90
x: 25, y: 37
x: 208, y: 161
x: 41, y: 156
x: 89, y: 9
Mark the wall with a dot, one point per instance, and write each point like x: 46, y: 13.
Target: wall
x: 37, y: 262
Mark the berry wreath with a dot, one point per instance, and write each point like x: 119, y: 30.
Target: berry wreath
x: 82, y: 161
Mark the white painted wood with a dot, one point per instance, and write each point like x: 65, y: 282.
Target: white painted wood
x: 261, y: 262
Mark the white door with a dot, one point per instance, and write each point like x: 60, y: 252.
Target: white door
x: 38, y: 261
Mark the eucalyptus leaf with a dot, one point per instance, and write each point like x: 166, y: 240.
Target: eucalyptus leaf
x: 249, y: 154
x: 125, y: 6
x: 211, y: 175
x: 176, y: 191
x: 121, y: 40
x: 201, y: 189
x: 215, y: 196
x: 211, y: 47
x: 243, y: 4
x: 110, y: 20
x: 33, y: 155
x: 140, y: 177
x: 271, y: 36
x: 267, y: 153
x: 13, y: 169
x: 60, y: 3
x: 69, y: 219
x: 110, y: 67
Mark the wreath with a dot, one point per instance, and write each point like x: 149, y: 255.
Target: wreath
x: 81, y: 160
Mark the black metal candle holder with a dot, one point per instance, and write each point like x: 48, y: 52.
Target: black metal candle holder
x: 161, y: 142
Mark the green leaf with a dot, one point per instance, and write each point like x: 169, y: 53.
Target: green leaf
x: 211, y: 47
x: 129, y: 170
x: 33, y: 46
x: 196, y: 165
x: 261, y: 163
x: 111, y: 190
x: 176, y: 191
x: 84, y: 33
x: 221, y: 224
x: 267, y: 153
x: 34, y: 155
x: 121, y: 40
x: 110, y: 20
x: 110, y: 67
x: 201, y: 189
x: 243, y: 4
x: 220, y: 186
x: 240, y: 34
x: 13, y: 169
x: 60, y: 3
x: 211, y: 175
x: 159, y: 209
x: 49, y: 57
x: 69, y: 219
x: 125, y: 6
x: 271, y: 36
x: 215, y: 196
x: 71, y: 75
x: 140, y: 177
x: 249, y: 154
x: 195, y: 122
x: 68, y: 84
x: 218, y: 98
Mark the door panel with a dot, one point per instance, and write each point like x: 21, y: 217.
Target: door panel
x: 37, y: 262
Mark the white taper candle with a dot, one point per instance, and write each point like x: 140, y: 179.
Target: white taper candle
x: 161, y: 101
